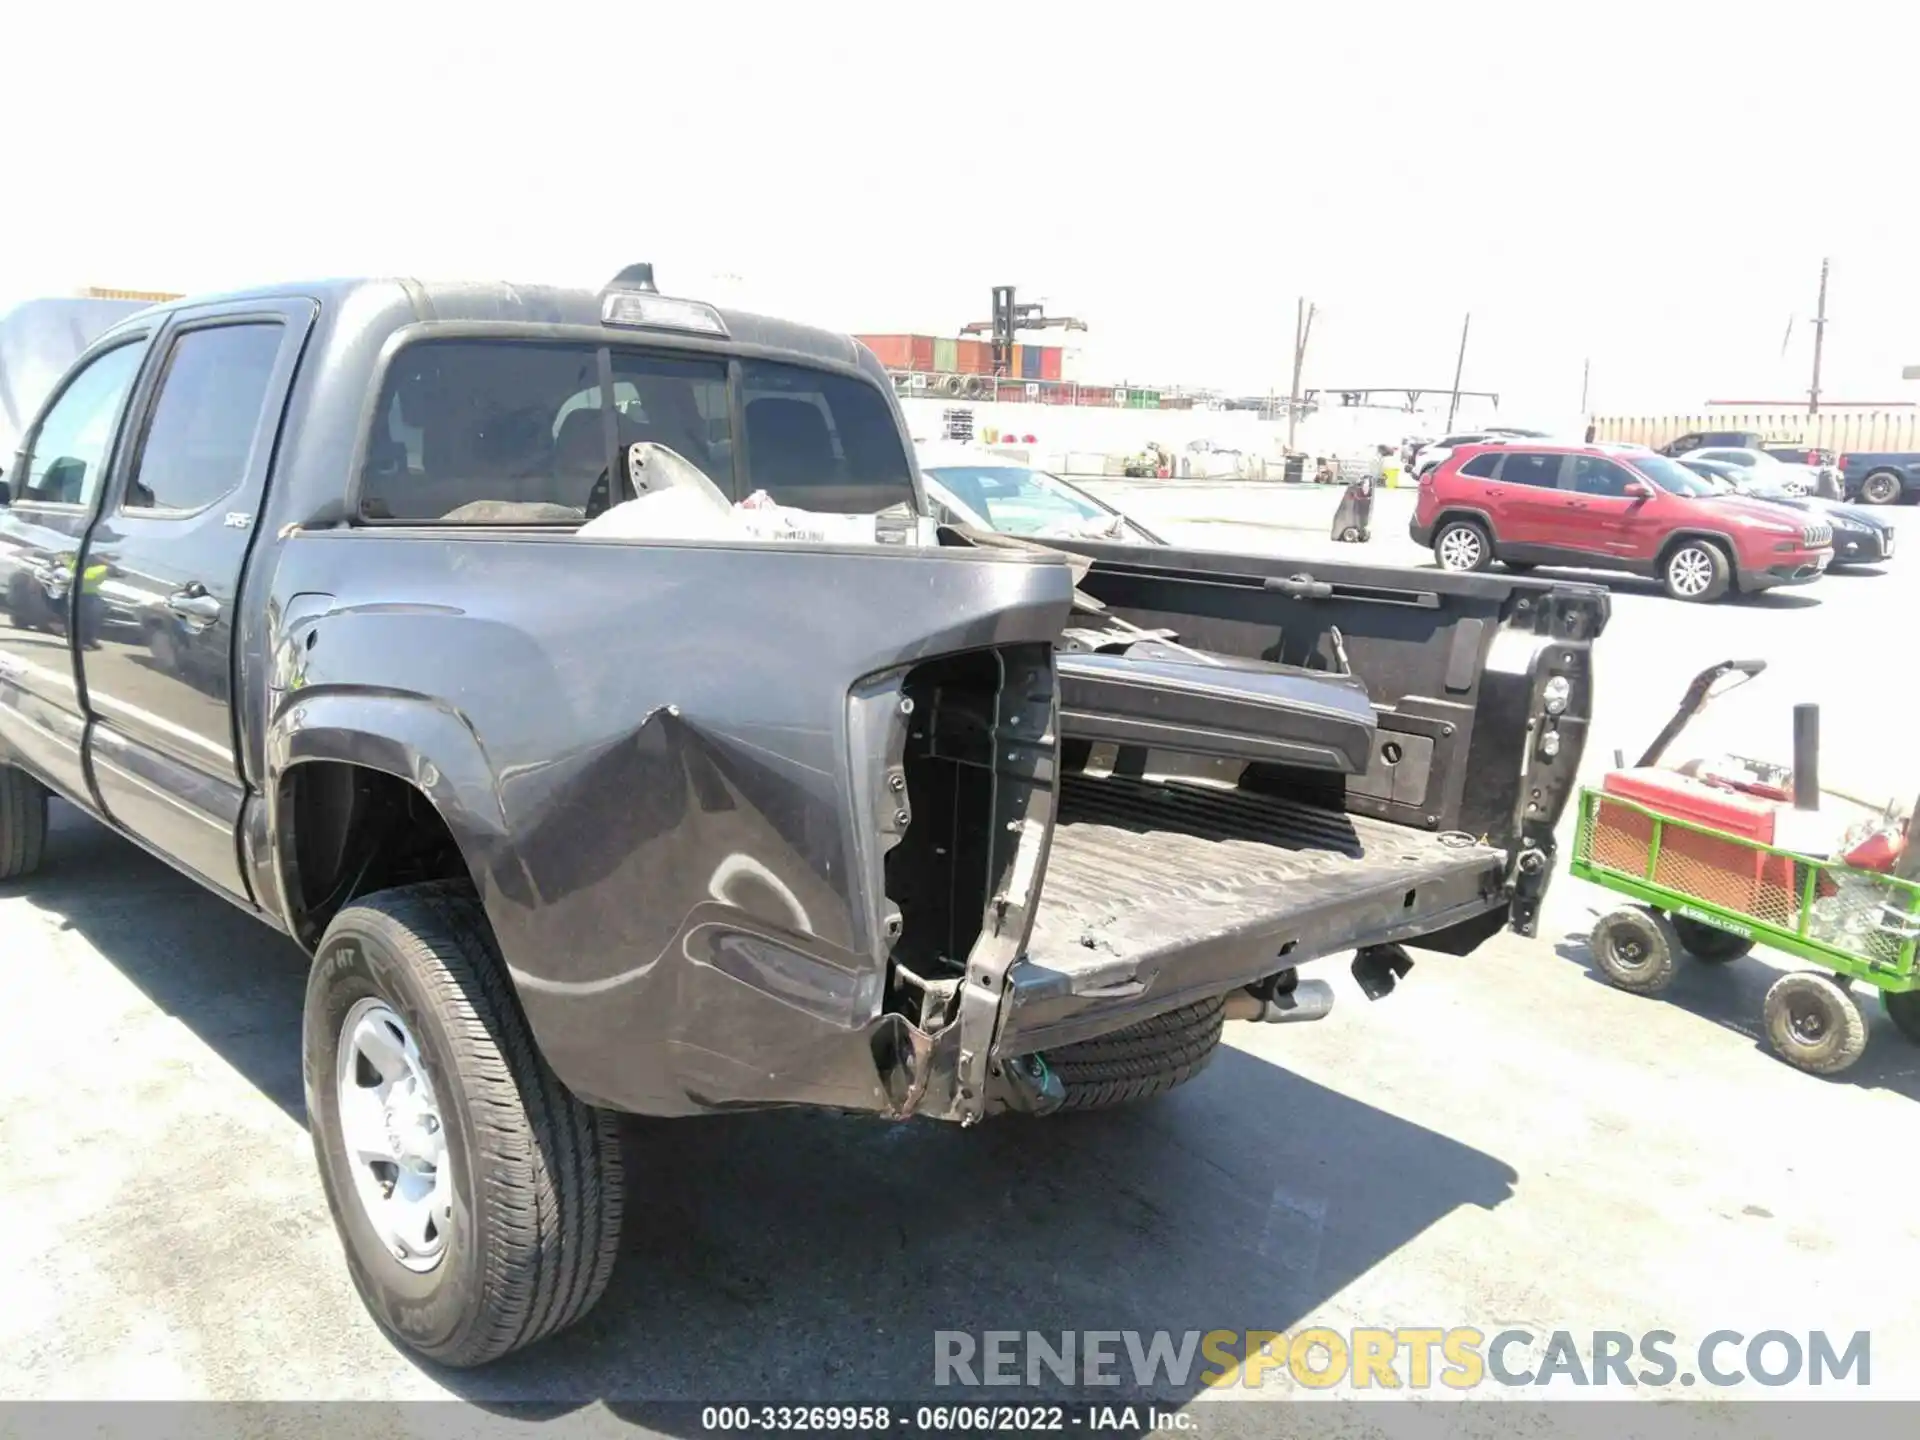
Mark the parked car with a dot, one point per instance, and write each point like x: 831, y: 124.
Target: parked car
x: 1713, y: 439
x: 1432, y: 455
x: 574, y: 816
x: 1774, y: 474
x: 1611, y: 507
x: 1880, y: 477
x: 1860, y: 536
x: 968, y: 485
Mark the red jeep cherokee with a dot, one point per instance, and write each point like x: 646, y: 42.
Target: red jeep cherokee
x: 1613, y: 507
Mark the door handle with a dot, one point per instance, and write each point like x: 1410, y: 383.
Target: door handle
x: 1576, y: 504
x: 193, y: 603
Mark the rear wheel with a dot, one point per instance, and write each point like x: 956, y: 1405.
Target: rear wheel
x: 1813, y: 1023
x: 1463, y: 546
x: 1141, y: 1061
x: 1880, y: 488
x: 1634, y: 950
x: 477, y: 1200
x: 1904, y: 1010
x: 1708, y: 942
x: 1696, y: 570
x: 23, y: 823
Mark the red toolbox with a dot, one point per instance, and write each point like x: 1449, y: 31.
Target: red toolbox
x: 1720, y: 871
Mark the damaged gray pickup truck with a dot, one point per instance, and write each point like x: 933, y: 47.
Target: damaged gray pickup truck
x: 308, y: 592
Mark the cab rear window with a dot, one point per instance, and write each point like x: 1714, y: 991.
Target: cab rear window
x: 524, y: 432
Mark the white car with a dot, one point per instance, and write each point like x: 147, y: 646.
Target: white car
x: 1429, y: 457
x: 971, y: 485
x: 1767, y: 472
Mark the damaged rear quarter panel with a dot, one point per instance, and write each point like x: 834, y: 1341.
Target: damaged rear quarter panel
x: 682, y: 894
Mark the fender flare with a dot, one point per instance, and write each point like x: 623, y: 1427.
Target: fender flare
x: 415, y: 740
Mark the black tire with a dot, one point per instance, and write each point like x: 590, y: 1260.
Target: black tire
x: 1635, y: 950
x: 1882, y: 487
x: 1904, y: 1010
x: 1141, y: 1061
x: 1696, y: 571
x: 1709, y: 943
x: 1463, y: 546
x: 1813, y: 1023
x: 537, y: 1181
x: 23, y: 823
x: 1351, y: 535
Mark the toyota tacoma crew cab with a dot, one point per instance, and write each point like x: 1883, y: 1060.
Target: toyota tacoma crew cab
x: 354, y: 602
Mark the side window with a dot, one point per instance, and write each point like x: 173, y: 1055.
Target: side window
x: 1482, y: 466
x: 1595, y: 476
x: 823, y: 442
x: 1684, y: 444
x: 1526, y: 467
x: 69, y: 454
x: 202, y: 430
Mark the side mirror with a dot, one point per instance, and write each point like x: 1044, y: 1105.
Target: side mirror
x: 1638, y: 490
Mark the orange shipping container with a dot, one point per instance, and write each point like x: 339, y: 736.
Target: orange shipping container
x: 1014, y: 362
x: 1050, y: 363
x: 894, y: 351
x: 976, y: 357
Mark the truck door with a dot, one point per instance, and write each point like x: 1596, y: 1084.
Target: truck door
x: 53, y: 487
x: 157, y: 632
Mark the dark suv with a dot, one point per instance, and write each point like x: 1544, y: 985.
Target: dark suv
x: 1611, y: 507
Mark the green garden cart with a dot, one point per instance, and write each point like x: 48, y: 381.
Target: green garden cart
x: 1721, y: 857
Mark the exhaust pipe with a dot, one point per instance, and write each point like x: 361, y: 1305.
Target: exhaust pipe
x: 1308, y: 1000
x: 1806, y: 757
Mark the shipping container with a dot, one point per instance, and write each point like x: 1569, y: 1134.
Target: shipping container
x: 1030, y: 361
x: 1015, y: 354
x: 976, y: 357
x: 893, y: 351
x: 1050, y: 363
x: 922, y: 352
x: 946, y: 359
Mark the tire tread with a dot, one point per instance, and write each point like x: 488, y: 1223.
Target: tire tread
x: 23, y: 823
x: 549, y: 1166
x: 1143, y: 1060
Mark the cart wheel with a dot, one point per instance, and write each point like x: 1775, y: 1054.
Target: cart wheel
x: 1708, y: 942
x: 1904, y: 1010
x: 1365, y: 535
x: 1813, y: 1023
x: 1351, y: 535
x: 1635, y: 950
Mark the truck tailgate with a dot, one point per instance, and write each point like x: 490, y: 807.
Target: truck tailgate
x: 1161, y: 892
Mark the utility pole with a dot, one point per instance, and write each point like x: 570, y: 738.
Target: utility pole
x: 1302, y: 328
x: 1453, y: 401
x: 1586, y: 374
x: 1819, y: 343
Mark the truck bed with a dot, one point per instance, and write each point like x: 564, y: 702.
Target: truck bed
x: 1232, y: 885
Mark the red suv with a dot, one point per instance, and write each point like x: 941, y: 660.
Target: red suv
x: 1612, y: 507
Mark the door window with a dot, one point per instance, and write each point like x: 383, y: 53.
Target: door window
x: 1481, y: 467
x: 205, y: 423
x: 1530, y: 468
x: 70, y: 449
x: 1595, y: 476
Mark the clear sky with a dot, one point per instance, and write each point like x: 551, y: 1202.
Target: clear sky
x: 1648, y: 186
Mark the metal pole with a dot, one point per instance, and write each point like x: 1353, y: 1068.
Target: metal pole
x: 1299, y: 355
x: 1453, y: 402
x: 1586, y: 374
x: 1819, y: 343
x: 1806, y: 757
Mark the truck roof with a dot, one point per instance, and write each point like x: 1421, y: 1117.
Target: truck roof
x: 508, y: 302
